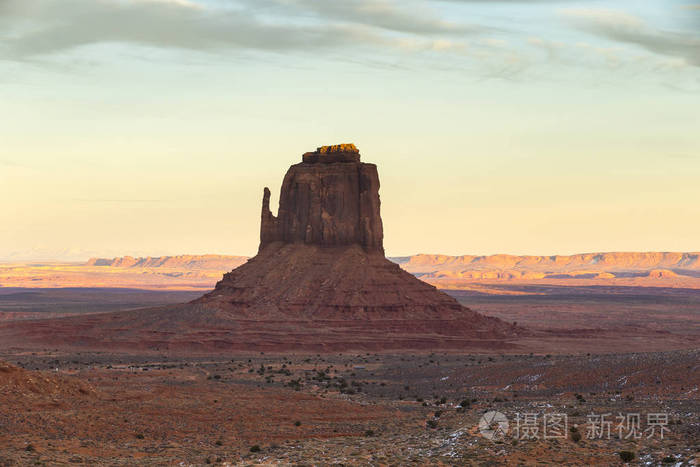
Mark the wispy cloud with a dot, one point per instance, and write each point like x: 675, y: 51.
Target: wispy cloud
x: 405, y: 16
x: 522, y: 2
x: 43, y: 27
x: 374, y: 32
x: 626, y: 28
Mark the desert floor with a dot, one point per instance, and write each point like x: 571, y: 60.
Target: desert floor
x: 369, y: 409
x: 625, y: 351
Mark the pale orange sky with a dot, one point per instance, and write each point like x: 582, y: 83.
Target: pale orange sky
x: 558, y: 137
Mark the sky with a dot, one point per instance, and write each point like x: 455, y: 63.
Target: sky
x: 150, y: 127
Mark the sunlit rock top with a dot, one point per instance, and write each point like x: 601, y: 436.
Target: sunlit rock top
x: 334, y: 153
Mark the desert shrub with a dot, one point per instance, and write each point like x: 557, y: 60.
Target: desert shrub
x: 465, y: 404
x: 219, y: 442
x: 431, y: 423
x: 369, y: 433
x: 30, y: 448
x: 575, y: 435
x: 297, y: 423
x: 626, y: 456
x: 255, y: 448
x: 139, y: 436
x: 668, y: 460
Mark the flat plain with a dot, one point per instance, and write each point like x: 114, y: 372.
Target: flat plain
x: 596, y: 350
x: 362, y: 409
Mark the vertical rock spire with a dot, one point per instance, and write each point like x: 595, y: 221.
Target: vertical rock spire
x: 268, y: 222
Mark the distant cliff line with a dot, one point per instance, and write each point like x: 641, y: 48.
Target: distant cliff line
x: 179, y: 261
x: 594, y: 261
x: 634, y: 260
x: 468, y: 272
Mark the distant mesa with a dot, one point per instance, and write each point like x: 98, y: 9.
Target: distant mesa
x: 320, y: 282
x: 667, y: 269
x: 186, y: 262
x: 321, y: 262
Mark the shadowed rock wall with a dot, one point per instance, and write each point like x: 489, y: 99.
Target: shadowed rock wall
x: 329, y: 199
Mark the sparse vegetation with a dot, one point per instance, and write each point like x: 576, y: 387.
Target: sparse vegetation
x: 433, y: 413
x: 627, y: 456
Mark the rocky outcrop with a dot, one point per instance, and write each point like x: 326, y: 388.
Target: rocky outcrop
x: 321, y: 274
x: 329, y: 199
x: 18, y: 382
x: 320, y: 282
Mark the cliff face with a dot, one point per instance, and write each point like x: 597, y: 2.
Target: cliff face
x: 662, y: 269
x: 321, y: 268
x: 320, y: 282
x: 329, y: 199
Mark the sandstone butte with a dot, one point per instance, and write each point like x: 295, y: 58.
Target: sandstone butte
x: 320, y: 282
